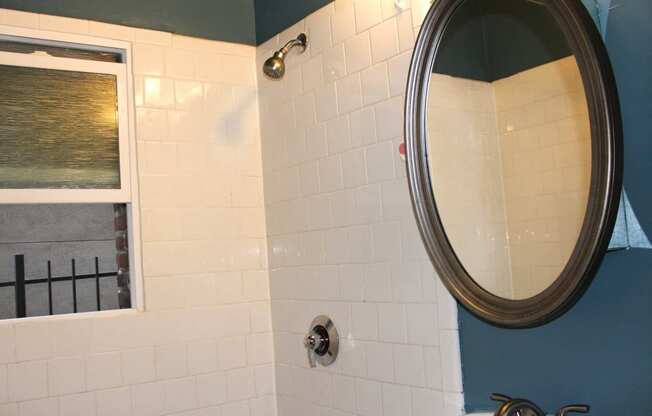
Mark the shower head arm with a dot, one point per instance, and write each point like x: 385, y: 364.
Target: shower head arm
x: 300, y: 41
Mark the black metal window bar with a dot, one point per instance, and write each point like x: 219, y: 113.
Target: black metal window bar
x: 20, y: 282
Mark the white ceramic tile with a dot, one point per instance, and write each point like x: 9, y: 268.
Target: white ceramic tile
x: 426, y: 402
x: 387, y: 240
x: 171, y: 361
x: 189, y: 95
x: 432, y: 358
x: 264, y: 379
x: 179, y: 63
x: 232, y: 352
x: 367, y: 206
x: 261, y: 317
x: 33, y: 341
x: 363, y: 127
x: 406, y: 282
x: 148, y: 399
x: 450, y: 359
x: 330, y: 174
x: 364, y: 321
x: 326, y: 102
x: 158, y: 92
x: 398, y: 73
x: 256, y: 285
x: 380, y: 361
x: 235, y: 409
x: 369, y: 400
x: 311, y: 73
x: 380, y: 162
x: 149, y: 60
x: 405, y: 31
x: 408, y: 365
x: 9, y: 409
x: 422, y: 324
x: 337, y: 135
x: 7, y: 344
x: 18, y: 18
x: 154, y: 37
x: 27, y: 380
x: 392, y: 322
x: 211, y: 389
x: 66, y: 376
x: 318, y: 27
x: 360, y: 245
x: 384, y: 41
x: 343, y: 21
x: 4, y: 380
x: 344, y: 393
x: 419, y: 10
x: 354, y: 168
x: 138, y: 365
x: 82, y: 404
x: 389, y: 118
x: 378, y: 285
x: 304, y: 109
x: 349, y: 93
x: 396, y: 400
x: 309, y: 177
x: 374, y: 84
x: 358, y: 53
x: 240, y: 384
x: 41, y: 407
x: 367, y: 14
x: 334, y: 63
x: 179, y: 394
x: 103, y: 371
x: 111, y: 31
x: 152, y: 124
x: 260, y: 349
x: 116, y: 402
x: 63, y: 24
x: 316, y: 141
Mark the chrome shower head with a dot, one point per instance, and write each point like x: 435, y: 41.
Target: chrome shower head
x: 274, y: 67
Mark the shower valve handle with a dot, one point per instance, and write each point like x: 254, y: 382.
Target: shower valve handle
x: 314, y: 343
x: 321, y: 341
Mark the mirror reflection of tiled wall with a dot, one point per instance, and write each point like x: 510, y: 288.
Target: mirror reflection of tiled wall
x: 514, y: 156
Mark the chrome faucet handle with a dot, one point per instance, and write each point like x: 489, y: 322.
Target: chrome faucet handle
x: 577, y: 408
x: 321, y: 342
x: 313, y: 343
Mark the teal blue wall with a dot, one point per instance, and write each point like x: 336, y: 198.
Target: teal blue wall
x: 272, y: 16
x: 600, y: 352
x: 226, y: 20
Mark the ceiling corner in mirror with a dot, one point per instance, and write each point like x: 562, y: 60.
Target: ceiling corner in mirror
x: 514, y: 150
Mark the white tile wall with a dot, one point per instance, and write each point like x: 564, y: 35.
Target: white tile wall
x: 346, y: 243
x: 335, y: 215
x: 203, y: 345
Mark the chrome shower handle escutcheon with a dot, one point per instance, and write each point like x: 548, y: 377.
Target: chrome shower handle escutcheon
x: 321, y: 342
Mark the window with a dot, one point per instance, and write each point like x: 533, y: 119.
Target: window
x: 67, y: 210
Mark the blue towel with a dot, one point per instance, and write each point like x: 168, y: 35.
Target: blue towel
x: 627, y: 232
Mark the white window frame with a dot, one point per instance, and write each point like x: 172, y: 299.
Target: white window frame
x: 128, y: 191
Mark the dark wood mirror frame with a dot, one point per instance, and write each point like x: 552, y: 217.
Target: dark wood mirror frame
x: 606, y: 172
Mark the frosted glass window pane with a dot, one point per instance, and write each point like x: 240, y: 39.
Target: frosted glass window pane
x: 58, y: 129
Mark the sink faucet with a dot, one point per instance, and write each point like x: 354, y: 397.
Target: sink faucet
x: 523, y: 407
x: 516, y: 407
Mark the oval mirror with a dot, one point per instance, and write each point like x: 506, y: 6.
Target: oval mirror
x: 514, y: 153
